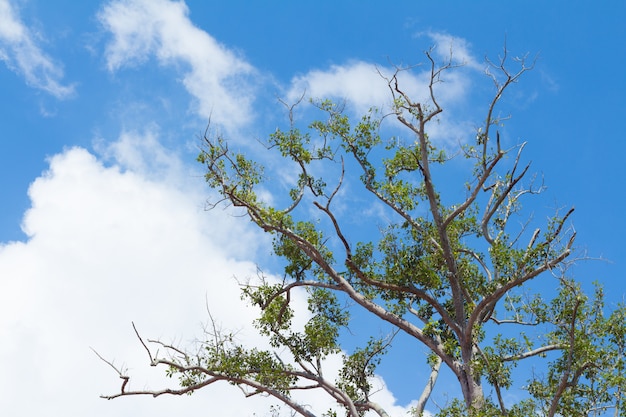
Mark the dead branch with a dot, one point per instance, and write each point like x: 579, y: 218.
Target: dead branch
x: 122, y: 375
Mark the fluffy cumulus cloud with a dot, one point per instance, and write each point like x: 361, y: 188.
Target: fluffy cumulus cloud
x: 122, y: 234
x: 21, y: 52
x: 108, y: 244
x: 112, y: 238
x: 388, y: 402
x: 215, y: 76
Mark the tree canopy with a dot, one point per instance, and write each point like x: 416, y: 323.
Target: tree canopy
x: 449, y: 270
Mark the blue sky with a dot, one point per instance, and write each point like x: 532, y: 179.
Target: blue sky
x: 101, y: 214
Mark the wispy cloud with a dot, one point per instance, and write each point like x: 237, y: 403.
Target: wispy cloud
x: 451, y: 48
x: 364, y: 84
x: 20, y: 51
x: 217, y: 77
x: 358, y: 82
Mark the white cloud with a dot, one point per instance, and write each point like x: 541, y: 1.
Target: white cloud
x: 141, y: 152
x: 107, y: 245
x: 364, y: 84
x: 21, y: 53
x: 217, y: 77
x: 113, y: 243
x: 454, y: 49
x: 358, y: 82
x: 387, y: 400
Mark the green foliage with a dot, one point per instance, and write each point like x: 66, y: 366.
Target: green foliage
x: 457, y: 408
x: 298, y: 262
x: 229, y: 361
x: 358, y: 369
x: 590, y: 372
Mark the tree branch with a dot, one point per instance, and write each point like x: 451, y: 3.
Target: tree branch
x: 570, y: 359
x: 534, y: 352
x: 428, y: 389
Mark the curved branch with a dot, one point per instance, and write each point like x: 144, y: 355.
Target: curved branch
x: 215, y: 376
x: 212, y: 378
x: 377, y: 409
x: 534, y: 352
x: 423, y: 295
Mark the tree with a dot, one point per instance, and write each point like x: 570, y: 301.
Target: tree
x: 451, y: 272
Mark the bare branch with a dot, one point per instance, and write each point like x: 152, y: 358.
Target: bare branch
x: 142, y: 342
x: 500, y: 88
x: 377, y: 409
x: 534, y: 352
x: 428, y: 389
x: 124, y: 377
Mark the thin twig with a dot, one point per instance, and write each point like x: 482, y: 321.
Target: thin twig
x: 143, y: 343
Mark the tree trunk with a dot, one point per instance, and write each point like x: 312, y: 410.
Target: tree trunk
x: 472, y: 391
